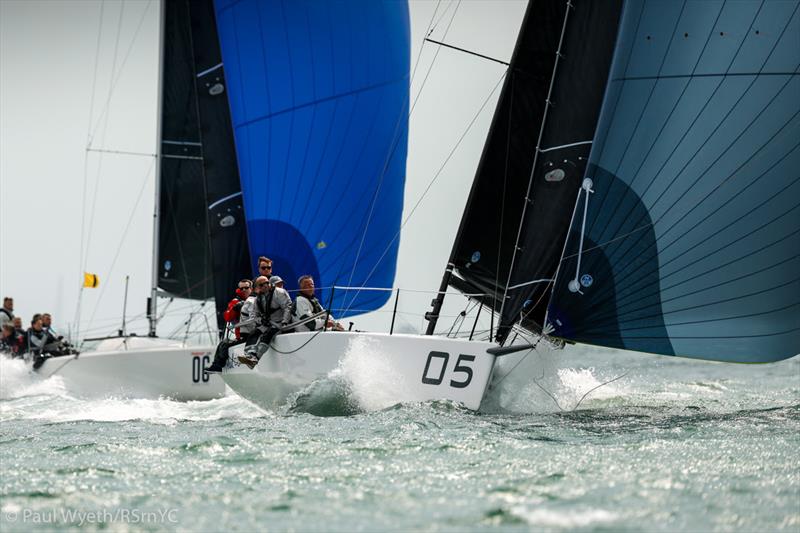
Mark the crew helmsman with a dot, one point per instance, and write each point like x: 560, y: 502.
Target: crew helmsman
x: 307, y: 305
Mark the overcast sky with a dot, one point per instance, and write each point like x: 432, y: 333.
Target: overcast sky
x: 57, y: 92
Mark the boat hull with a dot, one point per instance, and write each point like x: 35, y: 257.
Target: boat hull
x: 139, y: 368
x: 413, y: 368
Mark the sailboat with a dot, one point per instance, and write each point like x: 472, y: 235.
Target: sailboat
x: 637, y: 190
x: 194, y: 186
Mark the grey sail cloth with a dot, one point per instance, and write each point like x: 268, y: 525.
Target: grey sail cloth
x: 689, y: 245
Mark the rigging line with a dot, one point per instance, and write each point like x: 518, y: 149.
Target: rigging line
x: 115, y: 80
x: 722, y: 229
x: 374, y: 120
x: 501, y: 226
x: 93, y: 210
x: 449, y: 5
x: 119, y: 152
x: 388, y: 160
x: 560, y: 261
x: 86, y: 163
x: 122, y: 240
x: 670, y: 114
x: 386, y: 166
x: 700, y: 112
x: 437, y: 174
x: 433, y: 61
x: 470, y: 52
x: 536, y: 154
x: 530, y: 350
x: 597, y: 387
x: 428, y: 31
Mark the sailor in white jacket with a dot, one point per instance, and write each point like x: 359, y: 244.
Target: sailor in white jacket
x: 307, y: 305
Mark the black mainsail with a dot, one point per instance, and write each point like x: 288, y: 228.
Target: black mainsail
x: 202, y: 232
x: 518, y: 212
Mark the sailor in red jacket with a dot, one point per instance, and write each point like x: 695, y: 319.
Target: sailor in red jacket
x: 231, y: 315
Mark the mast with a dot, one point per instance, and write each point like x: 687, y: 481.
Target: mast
x: 152, y: 302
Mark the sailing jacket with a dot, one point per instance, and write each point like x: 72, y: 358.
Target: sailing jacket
x: 247, y: 312
x: 233, y: 313
x: 304, y: 307
x: 35, y: 341
x: 274, y: 307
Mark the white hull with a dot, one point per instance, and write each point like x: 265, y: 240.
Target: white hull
x: 139, y: 367
x: 416, y: 367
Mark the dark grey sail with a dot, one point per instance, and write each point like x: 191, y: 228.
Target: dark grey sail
x: 184, y: 255
x: 517, y: 216
x: 690, y: 241
x: 203, y: 236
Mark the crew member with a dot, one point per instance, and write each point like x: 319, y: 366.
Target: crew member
x: 307, y: 305
x: 273, y: 311
x: 232, y: 316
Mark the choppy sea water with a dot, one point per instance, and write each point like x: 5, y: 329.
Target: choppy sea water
x: 672, y: 444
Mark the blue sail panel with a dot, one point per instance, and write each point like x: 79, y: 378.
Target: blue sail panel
x: 319, y: 100
x: 690, y: 244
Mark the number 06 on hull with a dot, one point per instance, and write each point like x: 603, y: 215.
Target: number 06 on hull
x: 417, y: 368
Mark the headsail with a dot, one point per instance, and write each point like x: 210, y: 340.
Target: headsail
x: 319, y: 99
x: 203, y: 235
x: 690, y: 244
x: 520, y: 198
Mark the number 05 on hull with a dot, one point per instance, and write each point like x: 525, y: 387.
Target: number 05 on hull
x: 418, y: 368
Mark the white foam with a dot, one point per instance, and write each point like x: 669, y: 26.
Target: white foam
x: 563, y: 519
x: 547, y: 381
x: 17, y: 380
x: 370, y: 376
x: 26, y: 395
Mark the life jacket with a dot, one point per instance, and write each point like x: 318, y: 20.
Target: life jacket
x: 36, y: 340
x: 315, y: 305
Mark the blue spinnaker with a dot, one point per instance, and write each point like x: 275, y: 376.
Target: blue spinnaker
x: 691, y: 241
x: 319, y: 100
